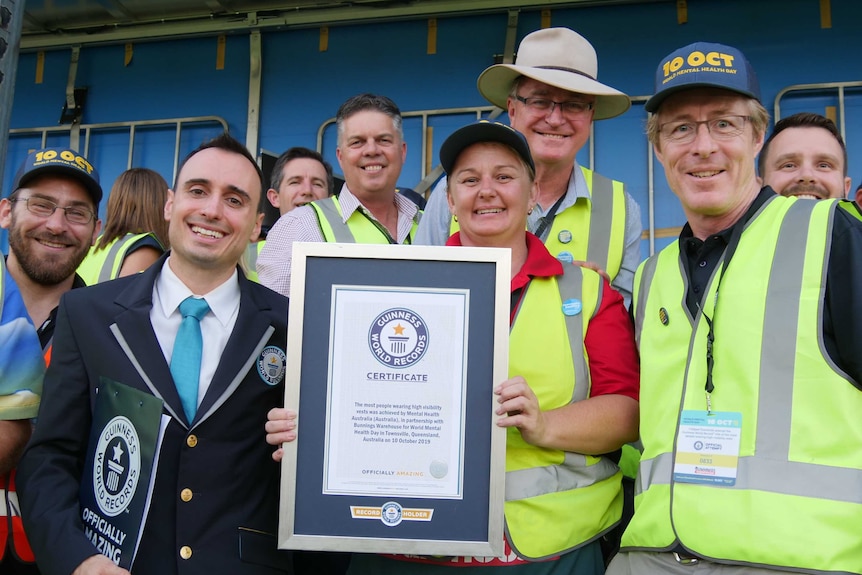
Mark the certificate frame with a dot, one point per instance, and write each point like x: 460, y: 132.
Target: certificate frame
x: 470, y: 523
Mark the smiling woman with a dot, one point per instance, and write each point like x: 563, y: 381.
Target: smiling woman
x: 136, y: 233
x: 561, y: 413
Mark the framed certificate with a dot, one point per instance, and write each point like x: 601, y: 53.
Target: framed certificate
x: 393, y: 353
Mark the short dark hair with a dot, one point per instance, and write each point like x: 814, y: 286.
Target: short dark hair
x: 227, y: 143
x: 293, y: 154
x: 368, y: 101
x: 801, y: 120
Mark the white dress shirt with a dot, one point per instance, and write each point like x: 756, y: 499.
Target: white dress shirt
x: 216, y: 326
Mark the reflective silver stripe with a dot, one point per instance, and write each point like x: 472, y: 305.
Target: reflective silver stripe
x: 251, y: 254
x: 647, y: 274
x: 784, y: 477
x: 770, y: 469
x: 778, y: 340
x: 328, y: 208
x: 601, y: 220
x: 573, y: 473
x: 107, y: 271
x: 571, y: 286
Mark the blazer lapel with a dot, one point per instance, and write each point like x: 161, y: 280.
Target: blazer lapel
x: 134, y: 333
x: 250, y: 334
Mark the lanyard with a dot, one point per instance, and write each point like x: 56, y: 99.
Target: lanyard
x: 709, y: 387
x: 546, y: 220
x: 382, y: 229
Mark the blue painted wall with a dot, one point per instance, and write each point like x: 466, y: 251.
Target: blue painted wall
x: 302, y: 87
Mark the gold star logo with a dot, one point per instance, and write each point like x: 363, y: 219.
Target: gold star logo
x: 399, y: 329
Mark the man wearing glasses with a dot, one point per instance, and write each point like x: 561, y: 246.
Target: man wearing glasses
x: 552, y: 97
x: 749, y: 329
x: 51, y: 220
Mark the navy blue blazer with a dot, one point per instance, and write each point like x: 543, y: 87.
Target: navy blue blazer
x: 216, y: 489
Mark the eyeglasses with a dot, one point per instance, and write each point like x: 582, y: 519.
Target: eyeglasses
x: 570, y: 108
x: 45, y: 208
x: 723, y: 128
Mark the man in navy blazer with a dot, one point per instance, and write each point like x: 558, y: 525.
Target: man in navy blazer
x: 215, y: 500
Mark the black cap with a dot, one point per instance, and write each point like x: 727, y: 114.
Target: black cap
x: 61, y: 162
x: 483, y: 131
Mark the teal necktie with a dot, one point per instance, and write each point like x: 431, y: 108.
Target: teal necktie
x: 186, y: 357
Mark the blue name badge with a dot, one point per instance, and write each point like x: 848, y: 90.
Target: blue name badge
x: 572, y: 306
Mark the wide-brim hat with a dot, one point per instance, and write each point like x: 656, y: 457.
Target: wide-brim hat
x: 483, y: 131
x: 559, y: 57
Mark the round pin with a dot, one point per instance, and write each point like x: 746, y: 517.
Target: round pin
x: 566, y: 257
x: 564, y: 236
x: 572, y: 306
x: 662, y: 316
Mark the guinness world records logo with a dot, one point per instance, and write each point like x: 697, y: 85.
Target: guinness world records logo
x: 391, y: 513
x: 398, y: 338
x: 116, y: 466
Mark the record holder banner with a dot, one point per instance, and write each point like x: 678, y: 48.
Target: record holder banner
x: 393, y: 353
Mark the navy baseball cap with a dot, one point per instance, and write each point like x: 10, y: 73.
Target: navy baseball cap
x: 704, y: 65
x: 61, y: 162
x: 483, y: 131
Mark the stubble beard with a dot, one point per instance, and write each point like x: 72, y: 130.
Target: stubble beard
x: 48, y: 271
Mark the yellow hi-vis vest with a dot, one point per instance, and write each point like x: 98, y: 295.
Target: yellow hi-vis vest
x: 104, y: 264
x: 358, y: 229
x: 249, y: 260
x: 797, y: 500
x: 556, y: 501
x: 851, y: 208
x: 594, y: 227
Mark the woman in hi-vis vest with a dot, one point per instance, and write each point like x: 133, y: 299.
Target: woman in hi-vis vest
x: 136, y: 232
x: 571, y: 398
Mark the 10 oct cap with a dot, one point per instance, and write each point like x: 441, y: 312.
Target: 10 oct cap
x: 703, y: 65
x: 62, y: 162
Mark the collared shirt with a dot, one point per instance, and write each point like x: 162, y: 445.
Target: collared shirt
x: 301, y: 225
x: 434, y: 227
x: 216, y: 326
x: 842, y: 312
x: 702, y: 256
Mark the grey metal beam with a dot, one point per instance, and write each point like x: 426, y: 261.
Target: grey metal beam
x: 210, y: 24
x: 8, y: 67
x: 254, y: 79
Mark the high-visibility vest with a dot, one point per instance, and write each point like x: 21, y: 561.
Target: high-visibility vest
x: 851, y: 208
x: 797, y: 499
x: 556, y: 501
x: 592, y: 229
x: 358, y: 229
x: 249, y: 261
x: 104, y: 264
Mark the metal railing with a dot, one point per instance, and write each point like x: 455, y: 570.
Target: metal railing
x: 90, y: 130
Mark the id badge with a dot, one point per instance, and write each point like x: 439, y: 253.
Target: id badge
x: 707, y: 447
